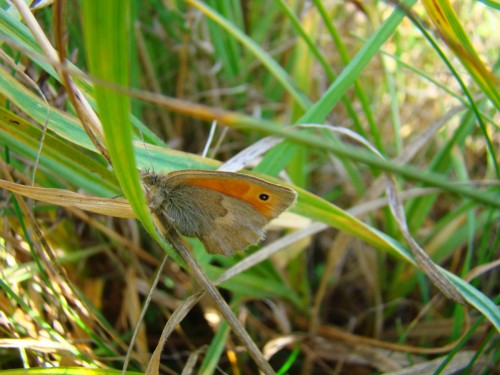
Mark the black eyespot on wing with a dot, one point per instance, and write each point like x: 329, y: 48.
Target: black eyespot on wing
x: 263, y: 197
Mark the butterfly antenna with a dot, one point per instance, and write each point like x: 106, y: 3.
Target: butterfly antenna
x: 150, y: 159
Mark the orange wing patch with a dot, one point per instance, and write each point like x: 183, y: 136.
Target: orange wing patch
x: 246, y: 188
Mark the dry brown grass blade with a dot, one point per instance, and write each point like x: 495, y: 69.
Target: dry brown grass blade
x: 197, y: 272
x: 460, y: 362
x: 65, y: 198
x: 202, y: 279
x: 336, y: 334
x: 395, y: 204
x: 176, y: 318
x: 93, y: 221
x: 423, y: 259
x: 181, y: 312
x: 89, y: 118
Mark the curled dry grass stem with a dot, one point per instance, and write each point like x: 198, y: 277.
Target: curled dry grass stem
x: 197, y: 272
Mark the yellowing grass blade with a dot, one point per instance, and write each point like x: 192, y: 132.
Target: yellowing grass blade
x: 448, y: 24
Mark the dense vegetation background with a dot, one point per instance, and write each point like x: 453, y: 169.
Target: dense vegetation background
x: 91, y: 91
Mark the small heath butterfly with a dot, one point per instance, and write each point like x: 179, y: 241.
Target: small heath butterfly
x: 227, y: 211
